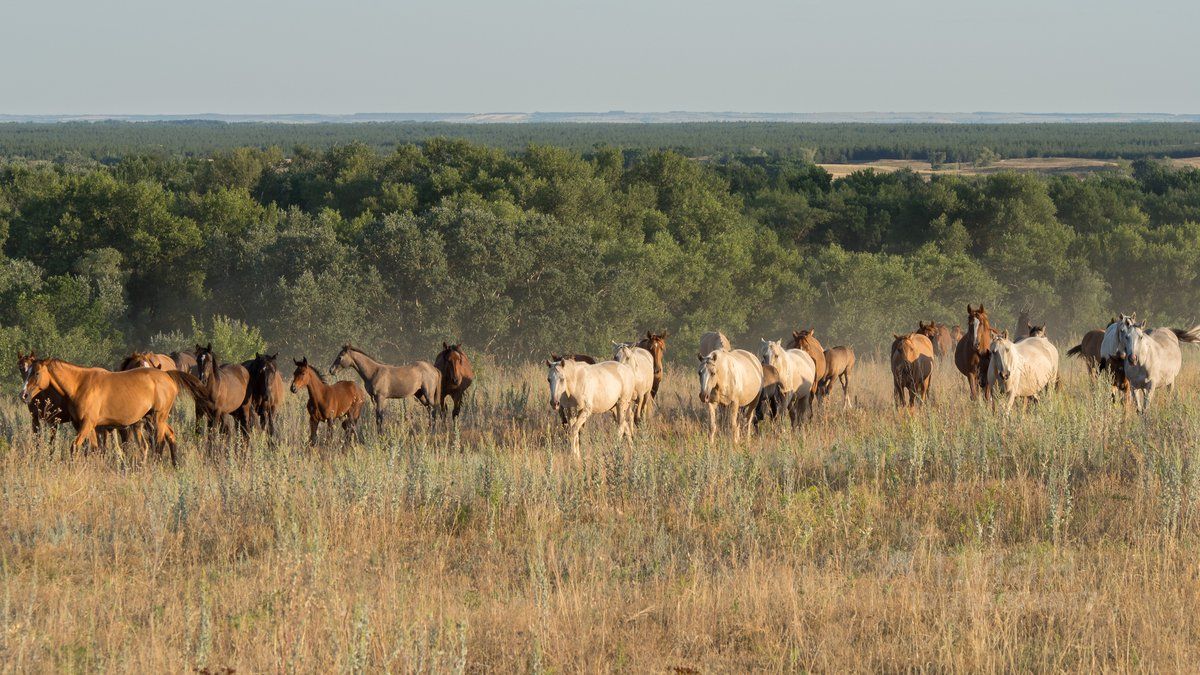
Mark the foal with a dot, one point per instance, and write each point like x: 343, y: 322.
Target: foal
x: 328, y: 402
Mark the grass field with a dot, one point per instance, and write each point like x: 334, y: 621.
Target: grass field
x: 951, y: 538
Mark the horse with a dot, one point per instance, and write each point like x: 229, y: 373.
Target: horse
x: 265, y: 391
x: 656, y: 344
x: 47, y: 407
x: 838, y: 362
x: 712, y: 341
x: 956, y: 333
x: 797, y: 373
x: 147, y: 360
x: 185, y: 361
x: 419, y: 380
x: 771, y: 401
x: 730, y: 379
x: 1112, y: 362
x: 642, y: 363
x: 1088, y: 349
x: 1035, y: 331
x: 1152, y: 358
x: 939, y: 335
x: 974, y: 348
x: 582, y: 358
x: 579, y: 390
x: 1023, y: 368
x: 228, y: 385
x: 912, y: 368
x: 806, y: 340
x: 328, y: 402
x: 96, y: 398
x: 456, y: 376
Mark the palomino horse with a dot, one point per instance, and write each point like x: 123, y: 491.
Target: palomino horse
x: 265, y: 391
x: 912, y: 368
x: 939, y: 335
x: 228, y: 385
x: 838, y: 362
x: 730, y: 379
x: 712, y: 341
x: 419, y: 380
x: 1088, y: 349
x: 797, y: 372
x: 807, y: 340
x: 147, y: 360
x: 642, y: 363
x: 971, y: 354
x: 457, y: 375
x: 579, y: 390
x: 97, y: 398
x: 656, y: 344
x: 329, y: 402
x: 1152, y: 358
x: 1023, y: 368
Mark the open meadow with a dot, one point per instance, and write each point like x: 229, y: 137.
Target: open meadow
x: 949, y: 538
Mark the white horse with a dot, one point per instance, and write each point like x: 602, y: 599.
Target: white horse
x: 1152, y: 358
x: 730, y: 379
x: 642, y: 363
x: 1023, y: 368
x: 797, y: 373
x: 582, y: 390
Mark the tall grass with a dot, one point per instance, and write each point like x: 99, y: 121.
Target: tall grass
x: 949, y: 538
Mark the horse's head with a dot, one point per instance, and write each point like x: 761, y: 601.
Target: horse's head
x: 452, y: 358
x: 708, y: 375
x: 556, y: 377
x: 342, y: 360
x: 37, y: 379
x: 24, y: 363
x: 978, y: 327
x: 138, y: 360
x: 656, y: 344
x: 1037, y: 331
x: 803, y: 338
x: 265, y: 364
x: 206, y: 362
x: 771, y: 352
x: 1003, y: 359
x: 303, y: 375
x: 1130, y: 334
x: 929, y: 330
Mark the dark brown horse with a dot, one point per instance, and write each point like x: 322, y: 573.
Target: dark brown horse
x: 939, y: 335
x: 228, y: 386
x: 329, y: 402
x: 912, y: 368
x: 656, y: 344
x: 265, y: 391
x: 457, y: 376
x: 806, y: 340
x: 973, y: 352
x: 185, y: 361
x: 1088, y: 349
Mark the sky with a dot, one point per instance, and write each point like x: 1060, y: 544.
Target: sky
x: 301, y: 56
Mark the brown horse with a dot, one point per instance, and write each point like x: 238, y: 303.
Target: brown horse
x: 97, y: 398
x: 186, y: 362
x: 419, y: 380
x: 148, y: 360
x: 457, y: 375
x: 656, y: 344
x: 47, y: 407
x: 838, y: 363
x: 1089, y: 350
x: 329, y: 402
x: 956, y: 333
x: 973, y: 351
x: 806, y: 340
x: 939, y: 335
x: 772, y: 402
x: 265, y: 391
x: 912, y: 368
x: 228, y: 384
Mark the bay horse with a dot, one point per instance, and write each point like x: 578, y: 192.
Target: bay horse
x: 939, y: 335
x: 419, y: 380
x: 329, y: 402
x: 1088, y: 349
x: 265, y: 391
x: 579, y: 390
x: 971, y: 354
x: 730, y: 379
x: 642, y: 363
x: 807, y: 340
x: 457, y: 376
x: 228, y: 384
x: 838, y: 363
x: 656, y: 344
x: 912, y: 368
x: 185, y: 361
x: 96, y: 398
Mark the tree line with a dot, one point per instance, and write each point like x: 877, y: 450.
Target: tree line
x: 518, y: 253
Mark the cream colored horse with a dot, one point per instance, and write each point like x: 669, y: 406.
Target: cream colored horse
x: 797, y: 374
x: 581, y: 390
x: 1024, y: 368
x: 642, y: 363
x: 1152, y: 358
x: 730, y: 379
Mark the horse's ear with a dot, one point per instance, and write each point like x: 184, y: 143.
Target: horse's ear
x: 1004, y: 334
x: 981, y: 308
x: 555, y: 357
x: 649, y: 335
x: 700, y: 357
x: 796, y: 334
x: 298, y: 363
x: 209, y: 347
x: 812, y: 332
x: 895, y: 337
x: 547, y: 363
x: 445, y: 346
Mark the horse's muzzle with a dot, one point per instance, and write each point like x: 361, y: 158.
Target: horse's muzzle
x: 294, y: 389
x: 24, y: 395
x: 554, y: 404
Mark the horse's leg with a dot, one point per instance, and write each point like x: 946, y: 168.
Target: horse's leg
x: 380, y: 402
x: 312, y: 430
x: 86, y: 431
x: 844, y: 378
x: 712, y: 421
x: 576, y: 426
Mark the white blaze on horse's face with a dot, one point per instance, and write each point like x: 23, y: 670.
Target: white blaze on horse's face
x: 556, y: 377
x: 33, y: 382
x: 708, y: 376
x: 975, y: 329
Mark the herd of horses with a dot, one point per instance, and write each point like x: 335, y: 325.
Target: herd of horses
x: 135, y: 401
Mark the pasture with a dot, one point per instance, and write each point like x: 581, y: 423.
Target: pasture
x: 948, y: 537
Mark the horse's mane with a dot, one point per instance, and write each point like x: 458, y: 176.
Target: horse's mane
x: 351, y: 348
x: 316, y: 372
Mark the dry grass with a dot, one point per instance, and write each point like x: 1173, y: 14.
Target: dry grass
x: 1064, y: 538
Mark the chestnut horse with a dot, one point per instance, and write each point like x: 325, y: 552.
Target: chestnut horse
x: 148, y: 360
x: 912, y: 368
x: 48, y: 407
x: 419, y: 380
x: 973, y: 350
x: 329, y: 402
x: 806, y: 340
x: 939, y: 335
x: 228, y: 385
x: 656, y: 344
x: 838, y: 363
x: 97, y: 398
x: 457, y: 376
x: 265, y: 391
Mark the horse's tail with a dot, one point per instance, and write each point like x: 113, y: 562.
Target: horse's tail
x: 1191, y: 335
x: 192, y: 385
x: 1077, y: 350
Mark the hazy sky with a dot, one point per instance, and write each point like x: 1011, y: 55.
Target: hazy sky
x: 277, y: 56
